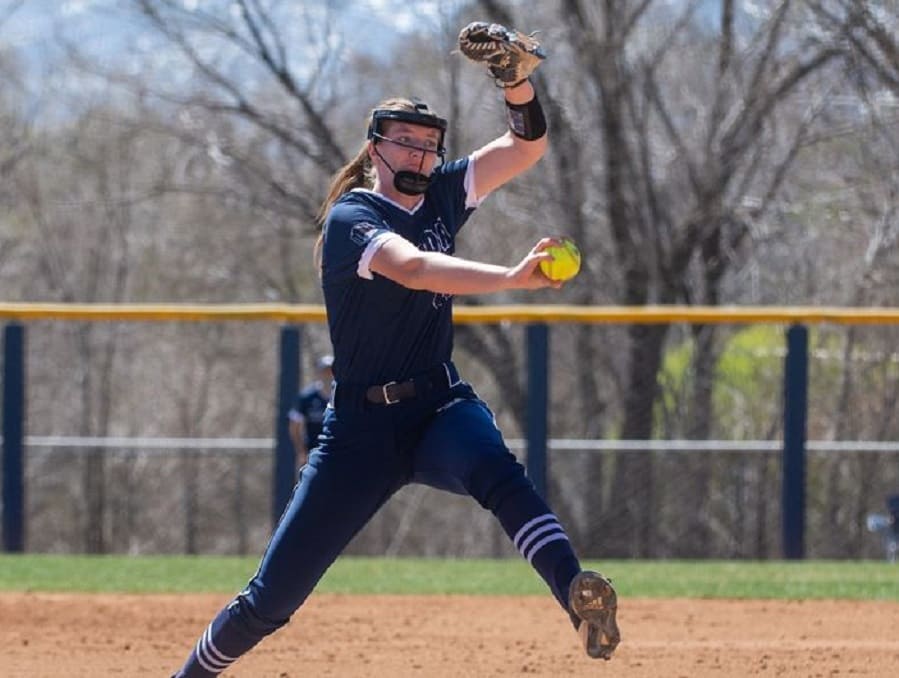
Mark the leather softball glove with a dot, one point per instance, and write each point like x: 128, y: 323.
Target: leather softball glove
x: 510, y: 56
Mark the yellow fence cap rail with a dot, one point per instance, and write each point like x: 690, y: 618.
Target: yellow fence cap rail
x: 162, y: 312
x: 520, y: 313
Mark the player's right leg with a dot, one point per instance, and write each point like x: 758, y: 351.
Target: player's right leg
x: 463, y: 452
x: 342, y: 486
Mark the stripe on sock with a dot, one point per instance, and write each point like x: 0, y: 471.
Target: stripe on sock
x: 209, y: 656
x: 537, y: 533
x: 557, y: 536
x: 202, y: 662
x: 526, y: 528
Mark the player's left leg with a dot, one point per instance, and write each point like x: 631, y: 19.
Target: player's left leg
x: 348, y: 477
x: 463, y: 452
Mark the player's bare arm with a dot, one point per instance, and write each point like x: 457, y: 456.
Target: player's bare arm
x: 508, y: 156
x: 510, y: 57
x: 402, y: 262
x: 295, y: 429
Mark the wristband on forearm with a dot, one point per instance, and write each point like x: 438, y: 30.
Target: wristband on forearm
x: 526, y: 120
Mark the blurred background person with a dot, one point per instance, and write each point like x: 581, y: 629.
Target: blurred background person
x: 308, y: 410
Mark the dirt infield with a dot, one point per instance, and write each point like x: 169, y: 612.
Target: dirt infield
x: 53, y: 635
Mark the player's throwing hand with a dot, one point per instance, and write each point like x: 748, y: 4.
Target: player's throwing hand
x: 527, y: 274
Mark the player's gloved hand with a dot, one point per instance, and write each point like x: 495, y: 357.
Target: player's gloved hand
x: 510, y: 56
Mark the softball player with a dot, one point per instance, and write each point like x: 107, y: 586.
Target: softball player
x: 308, y: 411
x: 400, y: 412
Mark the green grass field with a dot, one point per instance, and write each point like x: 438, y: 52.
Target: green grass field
x: 697, y: 579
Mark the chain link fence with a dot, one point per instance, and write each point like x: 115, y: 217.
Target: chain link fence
x: 707, y: 483
x: 708, y: 499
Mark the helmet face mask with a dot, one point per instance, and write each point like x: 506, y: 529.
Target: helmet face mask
x: 406, y: 182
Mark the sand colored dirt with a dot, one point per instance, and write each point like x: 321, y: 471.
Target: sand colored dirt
x: 54, y: 635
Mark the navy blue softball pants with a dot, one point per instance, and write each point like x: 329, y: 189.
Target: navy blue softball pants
x: 448, y: 440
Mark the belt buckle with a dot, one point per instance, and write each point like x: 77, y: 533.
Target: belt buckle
x: 387, y: 400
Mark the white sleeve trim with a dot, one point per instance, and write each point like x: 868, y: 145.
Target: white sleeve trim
x: 376, y: 242
x: 472, y: 199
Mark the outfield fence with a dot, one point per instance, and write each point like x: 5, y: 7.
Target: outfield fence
x: 212, y: 496
x: 747, y: 497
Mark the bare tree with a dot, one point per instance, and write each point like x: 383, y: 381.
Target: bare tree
x: 254, y: 101
x: 870, y: 29
x: 692, y: 145
x: 15, y: 143
x: 681, y: 158
x: 83, y: 255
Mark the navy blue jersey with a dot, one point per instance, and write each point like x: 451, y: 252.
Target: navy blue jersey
x: 309, y: 407
x: 380, y: 330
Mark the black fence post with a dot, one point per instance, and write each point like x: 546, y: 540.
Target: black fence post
x: 538, y: 402
x: 795, y: 415
x: 13, y: 438
x: 285, y: 472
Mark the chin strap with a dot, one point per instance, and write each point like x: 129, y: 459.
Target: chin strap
x: 406, y: 182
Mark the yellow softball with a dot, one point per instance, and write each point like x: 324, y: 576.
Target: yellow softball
x: 565, y: 262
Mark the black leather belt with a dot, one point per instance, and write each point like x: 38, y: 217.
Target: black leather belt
x: 442, y: 377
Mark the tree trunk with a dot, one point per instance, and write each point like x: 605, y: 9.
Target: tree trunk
x: 629, y: 526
